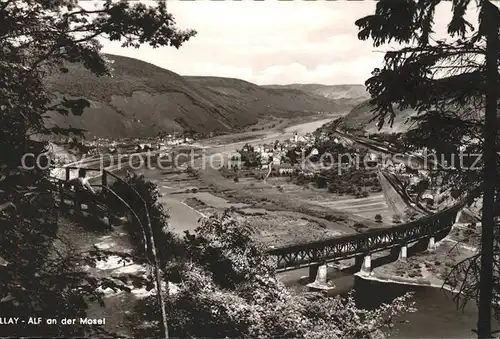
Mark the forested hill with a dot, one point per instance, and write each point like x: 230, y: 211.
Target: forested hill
x: 142, y: 99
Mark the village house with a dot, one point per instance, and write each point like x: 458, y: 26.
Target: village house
x: 307, y: 174
x: 174, y: 142
x: 314, y: 152
x: 264, y: 157
x: 285, y: 170
x: 276, y: 159
x: 371, y: 160
x: 428, y: 199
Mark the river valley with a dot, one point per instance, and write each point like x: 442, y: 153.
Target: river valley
x: 437, y: 315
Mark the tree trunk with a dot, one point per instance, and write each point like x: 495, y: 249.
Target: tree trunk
x: 156, y: 263
x: 157, y: 275
x: 486, y: 275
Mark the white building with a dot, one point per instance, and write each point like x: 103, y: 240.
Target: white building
x: 314, y: 151
x: 372, y: 157
x: 285, y: 170
x: 308, y: 174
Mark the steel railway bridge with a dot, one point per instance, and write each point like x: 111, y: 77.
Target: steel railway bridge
x: 361, y: 246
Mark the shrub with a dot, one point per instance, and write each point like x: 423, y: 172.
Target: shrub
x: 410, y: 214
x: 396, y: 219
x: 332, y: 217
x: 321, y: 181
x: 358, y: 226
x: 236, y: 179
x: 227, y: 288
x: 362, y: 194
x: 191, y: 171
x: 378, y: 218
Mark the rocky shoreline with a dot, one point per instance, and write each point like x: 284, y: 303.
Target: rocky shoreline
x: 426, y: 269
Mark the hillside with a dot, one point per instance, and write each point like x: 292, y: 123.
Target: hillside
x: 358, y: 98
x: 142, y: 99
x: 349, y: 93
x: 265, y: 100
x: 359, y: 118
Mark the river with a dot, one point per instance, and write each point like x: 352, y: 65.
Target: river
x: 437, y: 315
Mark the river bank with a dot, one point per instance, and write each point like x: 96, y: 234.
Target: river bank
x: 433, y: 267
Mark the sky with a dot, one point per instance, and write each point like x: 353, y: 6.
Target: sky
x: 272, y: 42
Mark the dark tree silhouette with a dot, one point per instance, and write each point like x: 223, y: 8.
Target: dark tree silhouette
x: 38, y: 38
x: 449, y: 83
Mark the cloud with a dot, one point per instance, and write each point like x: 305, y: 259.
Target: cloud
x: 271, y: 42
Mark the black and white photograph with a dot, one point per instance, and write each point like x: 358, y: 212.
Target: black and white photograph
x: 250, y: 169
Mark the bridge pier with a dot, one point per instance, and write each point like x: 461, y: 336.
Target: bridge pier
x: 403, y: 253
x: 431, y: 245
x: 313, y: 272
x: 321, y: 282
x: 399, y: 252
x: 366, y: 267
x: 458, y: 216
x: 358, y: 262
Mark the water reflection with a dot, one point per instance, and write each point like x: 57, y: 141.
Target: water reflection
x: 437, y: 315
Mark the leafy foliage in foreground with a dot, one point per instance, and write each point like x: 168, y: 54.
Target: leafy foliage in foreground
x: 227, y: 288
x: 37, y: 38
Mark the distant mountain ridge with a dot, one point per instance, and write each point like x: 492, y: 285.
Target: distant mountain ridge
x: 354, y: 92
x: 142, y: 99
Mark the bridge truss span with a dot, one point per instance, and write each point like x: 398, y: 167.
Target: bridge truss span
x: 345, y: 247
